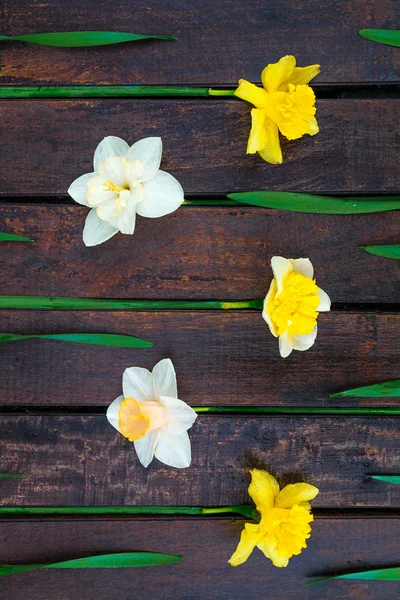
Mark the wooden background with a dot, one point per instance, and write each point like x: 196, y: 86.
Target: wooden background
x: 53, y: 396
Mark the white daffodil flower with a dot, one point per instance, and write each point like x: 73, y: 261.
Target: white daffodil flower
x: 293, y: 303
x: 150, y: 415
x: 126, y: 180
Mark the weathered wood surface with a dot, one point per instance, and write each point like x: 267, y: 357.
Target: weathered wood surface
x: 47, y: 144
x: 218, y: 42
x: 76, y: 460
x: 220, y: 358
x: 207, y: 253
x: 335, y: 546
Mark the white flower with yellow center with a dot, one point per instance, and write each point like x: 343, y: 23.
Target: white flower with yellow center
x: 150, y: 415
x: 126, y: 180
x: 293, y: 303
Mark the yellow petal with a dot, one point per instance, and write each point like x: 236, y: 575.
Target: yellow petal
x: 269, y: 307
x: 302, y: 75
x: 313, y: 128
x: 263, y: 489
x: 258, y: 138
x: 251, y: 93
x: 267, y: 547
x: 250, y: 537
x: 295, y: 494
x: 272, y: 152
x: 277, y: 73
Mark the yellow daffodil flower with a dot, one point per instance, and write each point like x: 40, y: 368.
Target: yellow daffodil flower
x: 285, y: 520
x: 293, y: 303
x: 285, y: 103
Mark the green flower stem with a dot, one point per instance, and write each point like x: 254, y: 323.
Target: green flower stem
x: 245, y: 510
x: 49, y: 303
x: 110, y: 91
x: 298, y: 410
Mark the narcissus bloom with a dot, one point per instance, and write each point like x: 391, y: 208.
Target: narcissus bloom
x: 150, y: 415
x: 285, y: 520
x: 285, y: 103
x: 126, y: 180
x: 293, y: 303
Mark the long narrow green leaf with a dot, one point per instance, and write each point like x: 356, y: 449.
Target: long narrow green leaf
x: 392, y: 574
x: 97, y: 339
x: 385, y: 251
x: 323, y: 205
x: 12, y: 476
x: 387, y: 389
x: 386, y: 478
x: 49, y: 303
x: 79, y: 39
x: 390, y: 37
x: 106, y: 561
x: 11, y: 237
x: 110, y: 91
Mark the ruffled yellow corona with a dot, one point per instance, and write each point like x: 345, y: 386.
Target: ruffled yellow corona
x: 285, y: 520
x: 285, y: 103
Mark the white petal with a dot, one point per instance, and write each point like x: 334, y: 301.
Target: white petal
x: 304, y: 342
x: 285, y: 344
x: 97, y: 231
x: 180, y: 416
x: 268, y: 307
x: 137, y: 383
x: 126, y: 219
x: 113, y: 411
x: 164, y: 379
x: 302, y: 266
x: 146, y: 446
x: 113, y: 168
x: 110, y: 146
x: 162, y: 196
x: 281, y: 267
x: 174, y: 450
x: 78, y: 188
x: 148, y: 151
x: 325, y: 301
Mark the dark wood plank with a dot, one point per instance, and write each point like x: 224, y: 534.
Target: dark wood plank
x: 220, y: 357
x: 76, y: 460
x: 47, y: 144
x: 218, y: 42
x: 336, y: 545
x: 207, y: 253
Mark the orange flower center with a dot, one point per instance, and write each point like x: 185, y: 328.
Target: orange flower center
x: 135, y: 419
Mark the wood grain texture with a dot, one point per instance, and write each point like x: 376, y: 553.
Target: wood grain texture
x: 336, y: 545
x: 218, y: 42
x: 75, y: 460
x: 221, y: 358
x: 207, y: 253
x: 47, y: 144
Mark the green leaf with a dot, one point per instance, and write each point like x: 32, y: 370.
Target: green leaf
x: 392, y: 574
x: 50, y: 303
x: 390, y: 37
x: 105, y: 561
x: 387, y: 389
x: 10, y: 237
x: 97, y: 339
x: 323, y: 205
x: 365, y: 411
x: 386, y: 478
x: 386, y: 251
x: 78, y: 39
x: 12, y: 476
